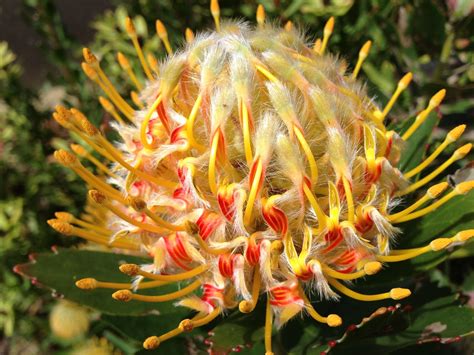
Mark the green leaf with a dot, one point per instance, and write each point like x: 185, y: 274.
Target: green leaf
x: 125, y: 346
x: 415, y: 148
x: 443, y: 318
x: 304, y: 335
x: 383, y: 79
x: 239, y: 330
x: 430, y: 312
x: 468, y: 284
x: 464, y: 252
x: 431, y: 348
x: 135, y: 329
x: 454, y: 216
x: 60, y: 270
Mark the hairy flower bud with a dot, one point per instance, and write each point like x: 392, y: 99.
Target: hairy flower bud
x: 257, y: 165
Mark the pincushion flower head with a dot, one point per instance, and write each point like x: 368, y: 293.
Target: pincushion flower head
x: 255, y: 169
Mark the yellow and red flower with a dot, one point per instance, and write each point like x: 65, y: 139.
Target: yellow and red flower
x: 258, y: 165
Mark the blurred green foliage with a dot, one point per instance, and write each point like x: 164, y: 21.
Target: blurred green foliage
x: 432, y: 38
x: 28, y: 195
